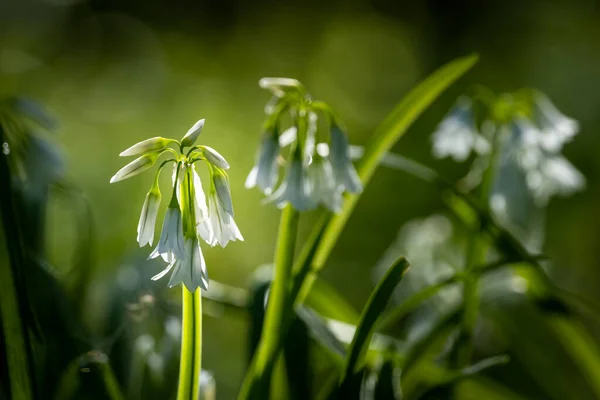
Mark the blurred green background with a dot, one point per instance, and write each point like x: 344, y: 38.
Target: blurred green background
x: 117, y: 72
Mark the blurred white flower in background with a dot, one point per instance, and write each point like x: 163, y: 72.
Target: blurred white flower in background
x: 457, y: 136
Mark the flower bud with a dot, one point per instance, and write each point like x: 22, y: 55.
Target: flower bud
x: 138, y: 165
x: 146, y: 146
x: 192, y: 134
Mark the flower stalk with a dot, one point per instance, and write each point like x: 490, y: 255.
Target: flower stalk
x: 258, y: 378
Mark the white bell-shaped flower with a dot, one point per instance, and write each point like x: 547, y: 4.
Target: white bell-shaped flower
x: 171, y: 242
x: 556, y: 128
x: 456, y: 136
x: 145, y: 229
x: 324, y: 189
x: 190, y: 270
x: 339, y: 154
x: 264, y: 173
x: 295, y: 188
x: 220, y: 208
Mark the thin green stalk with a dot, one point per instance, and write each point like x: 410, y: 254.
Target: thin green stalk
x: 477, y: 248
x: 191, y: 345
x: 257, y: 378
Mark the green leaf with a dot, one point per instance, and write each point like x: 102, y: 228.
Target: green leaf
x: 375, y: 306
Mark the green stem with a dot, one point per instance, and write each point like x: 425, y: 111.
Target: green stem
x: 477, y: 249
x: 257, y: 379
x: 190, y: 363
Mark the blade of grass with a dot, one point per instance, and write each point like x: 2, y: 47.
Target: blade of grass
x: 375, y: 306
x: 13, y: 298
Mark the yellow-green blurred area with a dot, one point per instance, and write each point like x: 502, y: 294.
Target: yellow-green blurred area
x: 117, y: 72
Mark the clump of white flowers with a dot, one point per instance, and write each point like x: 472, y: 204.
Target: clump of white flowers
x: 316, y: 162
x: 189, y: 218
x: 523, y: 129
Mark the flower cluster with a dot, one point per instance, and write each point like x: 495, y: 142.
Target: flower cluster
x: 189, y: 216
x: 526, y: 130
x: 316, y: 162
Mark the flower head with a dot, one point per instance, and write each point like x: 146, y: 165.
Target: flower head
x: 188, y: 218
x: 309, y: 179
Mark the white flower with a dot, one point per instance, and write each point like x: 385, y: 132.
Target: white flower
x: 555, y: 176
x: 146, y: 146
x: 147, y: 222
x: 556, y: 128
x: 547, y: 173
x: 213, y: 157
x: 171, y: 243
x: 203, y: 226
x: 264, y: 173
x: 190, y: 269
x: 224, y: 228
x: 323, y: 186
x: 295, y: 188
x: 192, y: 134
x: 138, y: 165
x: 339, y: 154
x: 456, y: 136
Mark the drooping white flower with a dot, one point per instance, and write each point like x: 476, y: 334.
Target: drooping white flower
x: 145, y: 229
x: 556, y: 128
x: 146, y: 146
x: 339, y: 154
x: 203, y: 225
x: 192, y: 134
x: 456, y: 136
x: 295, y: 188
x: 138, y: 165
x: 171, y: 242
x: 547, y: 173
x: 323, y: 185
x: 264, y: 173
x: 190, y: 269
x: 222, y: 224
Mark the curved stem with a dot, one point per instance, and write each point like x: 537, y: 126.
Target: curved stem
x: 191, y: 346
x: 257, y: 380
